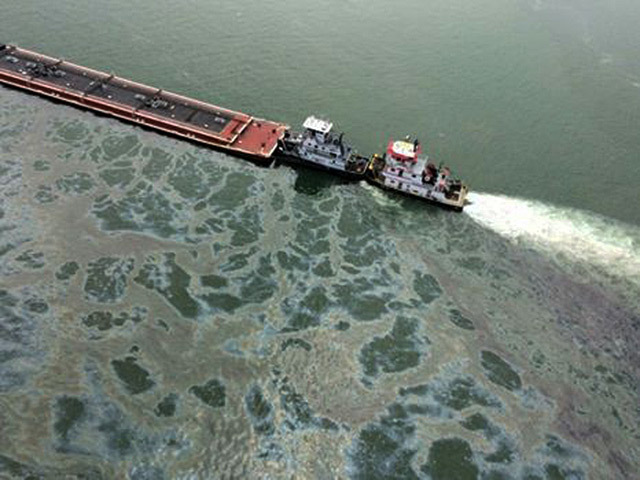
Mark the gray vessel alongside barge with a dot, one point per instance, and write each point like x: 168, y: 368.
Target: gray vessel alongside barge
x: 320, y: 148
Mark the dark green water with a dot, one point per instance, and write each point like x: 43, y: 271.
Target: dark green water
x: 167, y: 311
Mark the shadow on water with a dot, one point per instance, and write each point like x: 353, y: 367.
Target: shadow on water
x: 312, y: 182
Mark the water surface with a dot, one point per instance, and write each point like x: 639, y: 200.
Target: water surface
x: 168, y: 311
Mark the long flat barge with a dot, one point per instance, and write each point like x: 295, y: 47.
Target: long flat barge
x: 151, y: 107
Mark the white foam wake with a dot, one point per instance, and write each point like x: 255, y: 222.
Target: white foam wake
x: 577, y: 234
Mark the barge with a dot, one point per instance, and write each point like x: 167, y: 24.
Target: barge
x: 400, y: 169
x: 151, y: 107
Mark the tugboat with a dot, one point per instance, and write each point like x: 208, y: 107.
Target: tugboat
x: 402, y: 168
x: 318, y: 147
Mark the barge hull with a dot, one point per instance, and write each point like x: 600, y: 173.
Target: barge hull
x: 154, y: 108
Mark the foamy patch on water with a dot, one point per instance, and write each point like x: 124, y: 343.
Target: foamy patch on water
x: 579, y: 235
x: 379, y: 196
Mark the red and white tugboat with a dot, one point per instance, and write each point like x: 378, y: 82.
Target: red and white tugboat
x: 402, y: 168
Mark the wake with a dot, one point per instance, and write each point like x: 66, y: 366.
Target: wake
x: 578, y: 235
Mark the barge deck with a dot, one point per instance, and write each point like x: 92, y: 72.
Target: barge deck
x: 155, y: 108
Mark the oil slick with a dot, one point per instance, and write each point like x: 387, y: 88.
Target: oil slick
x: 175, y: 313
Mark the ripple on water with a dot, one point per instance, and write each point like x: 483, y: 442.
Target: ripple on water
x: 260, y: 411
x: 426, y: 286
x: 98, y: 426
x: 167, y: 406
x: 500, y: 372
x: 163, y: 275
x: 460, y: 321
x: 441, y: 395
x: 17, y: 226
x: 393, y: 446
x: 362, y: 298
x: 72, y: 132
x: 143, y: 209
x: 31, y: 259
x: 24, y: 317
x: 77, y: 183
x: 298, y: 413
x: 107, y: 279
x: 450, y: 458
x: 211, y: 393
x: 258, y: 285
x: 104, y: 320
x: 237, y: 187
x: 384, y: 449
x: 16, y: 469
x: 134, y: 378
x: 41, y: 165
x: 45, y: 195
x: 69, y: 412
x: 189, y: 180
x: 296, y: 343
x: 119, y: 176
x: 159, y: 163
x: 399, y: 350
x: 67, y: 270
x: 117, y: 146
x: 307, y: 311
